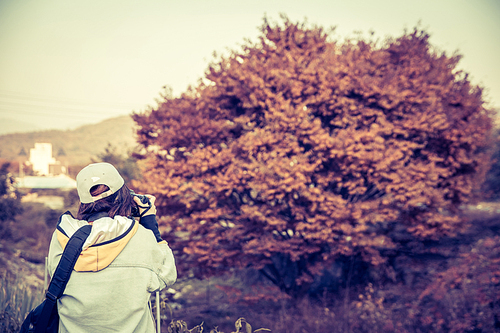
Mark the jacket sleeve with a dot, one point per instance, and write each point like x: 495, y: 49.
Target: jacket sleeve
x: 166, y: 272
x: 149, y: 222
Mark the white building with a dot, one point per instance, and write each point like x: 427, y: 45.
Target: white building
x: 41, y: 158
x: 50, y: 175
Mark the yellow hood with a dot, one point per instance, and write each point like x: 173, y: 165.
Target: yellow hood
x: 107, y: 239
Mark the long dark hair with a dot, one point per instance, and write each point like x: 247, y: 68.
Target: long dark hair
x: 119, y: 203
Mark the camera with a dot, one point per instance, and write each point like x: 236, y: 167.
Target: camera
x: 135, y: 208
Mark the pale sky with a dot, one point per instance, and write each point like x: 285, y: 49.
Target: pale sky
x: 65, y: 63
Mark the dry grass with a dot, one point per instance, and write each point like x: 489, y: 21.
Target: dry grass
x: 220, y: 304
x: 17, y: 298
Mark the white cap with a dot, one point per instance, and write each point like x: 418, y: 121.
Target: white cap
x: 97, y: 174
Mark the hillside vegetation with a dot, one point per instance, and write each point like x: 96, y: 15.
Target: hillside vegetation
x: 79, y: 145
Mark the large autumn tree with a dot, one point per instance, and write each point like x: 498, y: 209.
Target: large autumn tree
x: 298, y: 149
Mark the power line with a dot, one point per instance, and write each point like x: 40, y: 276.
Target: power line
x: 59, y: 105
x: 81, y: 108
x: 31, y: 97
x: 82, y: 114
x: 33, y: 105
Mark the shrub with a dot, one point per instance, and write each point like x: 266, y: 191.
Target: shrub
x: 465, y: 297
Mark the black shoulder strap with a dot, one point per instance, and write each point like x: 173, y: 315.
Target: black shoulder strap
x: 61, y: 275
x: 67, y: 262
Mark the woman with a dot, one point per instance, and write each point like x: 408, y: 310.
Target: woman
x: 122, y: 262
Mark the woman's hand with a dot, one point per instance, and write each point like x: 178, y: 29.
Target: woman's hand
x: 144, y: 209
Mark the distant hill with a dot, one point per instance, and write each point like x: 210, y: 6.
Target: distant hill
x: 8, y: 126
x: 76, y: 146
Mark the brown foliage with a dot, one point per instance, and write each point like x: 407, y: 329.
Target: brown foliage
x: 466, y: 296
x: 298, y: 149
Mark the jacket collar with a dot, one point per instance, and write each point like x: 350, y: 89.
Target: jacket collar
x: 97, y: 216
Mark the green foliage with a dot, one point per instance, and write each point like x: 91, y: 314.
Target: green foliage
x: 10, y: 204
x: 491, y: 186
x: 71, y: 199
x: 126, y: 164
x: 51, y: 218
x: 30, y: 234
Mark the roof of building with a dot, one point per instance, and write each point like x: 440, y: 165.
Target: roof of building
x: 46, y: 182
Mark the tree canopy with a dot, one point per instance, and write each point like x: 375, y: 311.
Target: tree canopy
x: 298, y: 149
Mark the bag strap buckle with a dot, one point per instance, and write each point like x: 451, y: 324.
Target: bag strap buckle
x: 51, y: 296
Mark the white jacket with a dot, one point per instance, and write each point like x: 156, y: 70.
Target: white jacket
x: 120, y: 266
